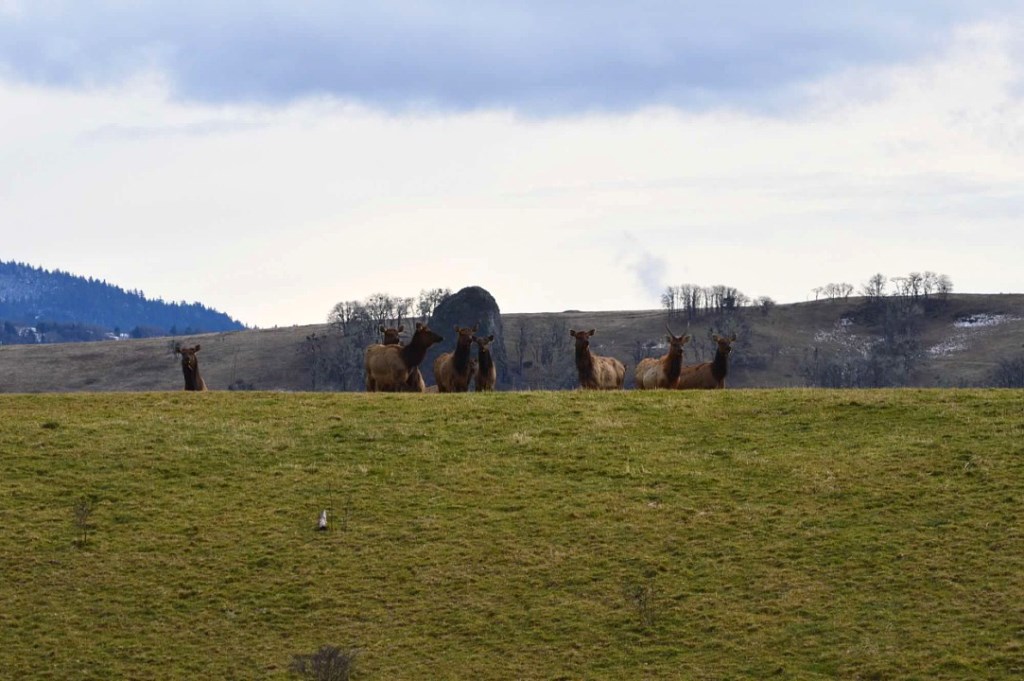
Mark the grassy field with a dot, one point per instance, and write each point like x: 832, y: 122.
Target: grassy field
x: 705, y: 535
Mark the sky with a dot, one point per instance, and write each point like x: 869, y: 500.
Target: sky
x: 270, y: 159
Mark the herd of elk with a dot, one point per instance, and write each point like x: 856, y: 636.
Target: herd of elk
x: 596, y: 372
x: 190, y: 367
x: 663, y: 372
x: 394, y: 367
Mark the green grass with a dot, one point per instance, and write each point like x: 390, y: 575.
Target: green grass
x: 702, y: 535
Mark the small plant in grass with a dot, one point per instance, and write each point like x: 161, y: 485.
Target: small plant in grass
x: 641, y: 597
x: 327, y: 664
x: 81, y: 513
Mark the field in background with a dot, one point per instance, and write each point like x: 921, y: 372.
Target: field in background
x: 703, y: 535
x: 774, y: 350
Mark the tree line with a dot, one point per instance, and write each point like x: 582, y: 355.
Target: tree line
x: 74, y: 307
x: 690, y: 301
x: 915, y: 285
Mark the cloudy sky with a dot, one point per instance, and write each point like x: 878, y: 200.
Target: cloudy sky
x: 271, y: 158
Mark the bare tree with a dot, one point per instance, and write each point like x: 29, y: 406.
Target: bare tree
x: 1009, y: 373
x: 345, y: 313
x: 943, y: 285
x: 380, y: 307
x: 430, y: 299
x: 874, y: 288
x: 766, y: 304
x: 670, y: 299
x: 915, y: 281
x: 402, y: 307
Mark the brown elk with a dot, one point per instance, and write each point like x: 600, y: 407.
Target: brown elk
x: 662, y: 372
x: 453, y: 370
x: 486, y: 372
x: 596, y: 372
x: 190, y: 367
x: 709, y: 375
x: 388, y: 366
x: 392, y: 336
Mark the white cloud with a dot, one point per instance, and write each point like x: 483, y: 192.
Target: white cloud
x: 275, y: 214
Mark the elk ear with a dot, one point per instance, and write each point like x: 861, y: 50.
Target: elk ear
x: 490, y: 339
x: 715, y: 337
x: 381, y: 328
x: 476, y: 326
x: 456, y: 328
x: 686, y: 338
x: 733, y: 338
x: 592, y: 332
x: 572, y: 333
x: 196, y: 348
x: 401, y: 328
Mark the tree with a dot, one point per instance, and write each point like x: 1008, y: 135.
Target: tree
x: 874, y: 288
x: 1009, y: 373
x: 380, y: 307
x: 343, y: 315
x: 429, y: 300
x: 766, y: 304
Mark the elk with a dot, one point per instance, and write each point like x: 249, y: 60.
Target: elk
x: 190, y: 367
x: 388, y: 366
x: 709, y: 375
x: 391, y: 336
x: 486, y: 373
x: 453, y: 370
x: 663, y: 372
x: 596, y: 372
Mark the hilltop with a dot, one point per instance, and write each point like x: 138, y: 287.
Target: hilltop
x: 962, y: 340
x: 39, y: 305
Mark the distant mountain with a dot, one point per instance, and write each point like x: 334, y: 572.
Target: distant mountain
x: 38, y: 305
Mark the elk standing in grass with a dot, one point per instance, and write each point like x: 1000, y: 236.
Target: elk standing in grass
x: 392, y: 336
x: 709, y: 375
x: 486, y: 372
x: 388, y: 366
x: 190, y: 367
x: 663, y: 372
x: 453, y: 370
x: 596, y: 372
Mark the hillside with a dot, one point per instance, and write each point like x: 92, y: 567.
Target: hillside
x: 958, y: 343
x: 793, y: 534
x: 80, y: 308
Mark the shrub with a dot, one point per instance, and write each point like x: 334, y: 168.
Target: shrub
x: 327, y: 664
